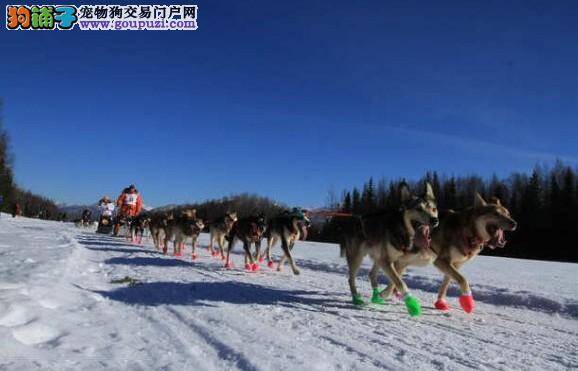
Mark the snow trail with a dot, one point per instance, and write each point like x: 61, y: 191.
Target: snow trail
x: 59, y: 310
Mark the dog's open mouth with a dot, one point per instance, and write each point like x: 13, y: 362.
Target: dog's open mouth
x: 422, y: 238
x: 497, y: 237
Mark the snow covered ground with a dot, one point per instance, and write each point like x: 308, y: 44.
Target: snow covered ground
x: 59, y: 310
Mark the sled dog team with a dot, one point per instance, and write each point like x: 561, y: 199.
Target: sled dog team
x: 415, y: 234
x: 225, y: 232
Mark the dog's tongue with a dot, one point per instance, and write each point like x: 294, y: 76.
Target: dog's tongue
x: 303, y: 232
x: 422, y: 239
x: 498, y: 239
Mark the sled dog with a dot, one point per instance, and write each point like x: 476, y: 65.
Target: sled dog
x: 157, y: 225
x: 185, y: 225
x: 388, y: 237
x: 288, y: 228
x: 137, y: 226
x: 248, y: 230
x: 461, y: 236
x: 219, y: 230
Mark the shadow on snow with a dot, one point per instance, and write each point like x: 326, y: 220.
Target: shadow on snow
x: 242, y: 293
x: 211, y: 293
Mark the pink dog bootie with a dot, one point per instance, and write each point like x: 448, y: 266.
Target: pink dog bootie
x: 441, y: 304
x: 467, y: 302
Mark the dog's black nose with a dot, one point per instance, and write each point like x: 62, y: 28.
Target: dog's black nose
x: 434, y: 221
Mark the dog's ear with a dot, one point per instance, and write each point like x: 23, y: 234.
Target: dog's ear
x: 429, y: 193
x: 479, y: 201
x: 404, y: 193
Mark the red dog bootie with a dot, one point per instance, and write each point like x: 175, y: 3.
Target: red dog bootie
x: 441, y: 304
x: 255, y: 267
x: 194, y: 257
x: 248, y: 267
x: 271, y: 265
x: 467, y: 302
x: 228, y: 265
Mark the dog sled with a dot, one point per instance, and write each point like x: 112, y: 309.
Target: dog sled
x: 105, y: 225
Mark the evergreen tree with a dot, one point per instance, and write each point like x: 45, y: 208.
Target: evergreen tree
x: 532, y: 194
x: 347, y: 206
x: 450, y: 200
x: 381, y: 197
x: 7, y: 187
x: 568, y: 189
x: 356, y: 201
x: 368, y: 196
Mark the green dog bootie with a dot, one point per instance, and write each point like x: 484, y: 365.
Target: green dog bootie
x: 358, y: 300
x: 376, y: 297
x: 412, y: 305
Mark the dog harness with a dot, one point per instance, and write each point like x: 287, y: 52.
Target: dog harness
x: 471, y: 244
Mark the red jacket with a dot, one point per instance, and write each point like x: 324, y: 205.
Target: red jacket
x: 129, y: 204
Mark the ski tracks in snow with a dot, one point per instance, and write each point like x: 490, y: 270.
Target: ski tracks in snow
x: 61, y: 311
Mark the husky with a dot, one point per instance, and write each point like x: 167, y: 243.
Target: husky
x: 248, y: 230
x: 388, y: 237
x: 137, y: 226
x: 219, y: 230
x: 157, y: 225
x: 288, y: 228
x: 185, y: 225
x: 86, y: 216
x: 461, y: 237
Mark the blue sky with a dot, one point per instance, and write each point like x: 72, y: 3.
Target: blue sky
x: 290, y: 100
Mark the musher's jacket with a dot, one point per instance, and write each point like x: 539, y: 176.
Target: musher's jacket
x: 129, y: 204
x: 106, y: 209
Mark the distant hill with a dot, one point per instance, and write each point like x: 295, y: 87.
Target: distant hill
x: 75, y: 211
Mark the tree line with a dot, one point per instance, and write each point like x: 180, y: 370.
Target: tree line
x: 15, y: 200
x: 543, y: 202
x: 244, y: 204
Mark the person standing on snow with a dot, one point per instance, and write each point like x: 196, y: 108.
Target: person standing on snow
x: 129, y: 204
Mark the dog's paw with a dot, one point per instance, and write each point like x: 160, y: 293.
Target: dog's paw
x: 441, y: 304
x: 271, y: 265
x: 296, y: 272
x: 357, y: 300
x: 467, y: 302
x: 412, y: 304
x: 376, y: 297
